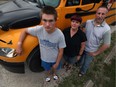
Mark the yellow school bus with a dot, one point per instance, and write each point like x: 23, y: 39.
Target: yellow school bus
x: 17, y: 15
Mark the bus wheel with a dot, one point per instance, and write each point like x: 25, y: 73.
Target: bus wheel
x: 34, y: 61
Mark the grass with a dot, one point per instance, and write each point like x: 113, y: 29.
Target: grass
x: 109, y: 73
x: 103, y: 75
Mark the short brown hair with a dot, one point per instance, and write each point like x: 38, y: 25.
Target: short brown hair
x: 49, y: 10
x: 102, y: 6
x: 77, y: 18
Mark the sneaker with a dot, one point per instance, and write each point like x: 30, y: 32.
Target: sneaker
x: 48, y: 79
x: 55, y: 77
x: 80, y: 74
x: 65, y: 65
x: 68, y: 68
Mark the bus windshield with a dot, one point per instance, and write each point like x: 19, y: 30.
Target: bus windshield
x: 53, y: 3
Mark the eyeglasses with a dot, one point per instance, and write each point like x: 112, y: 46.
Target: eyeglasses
x: 50, y: 21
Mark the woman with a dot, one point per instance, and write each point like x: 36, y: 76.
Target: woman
x: 75, y: 42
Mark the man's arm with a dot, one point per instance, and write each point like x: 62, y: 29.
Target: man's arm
x: 106, y: 44
x: 59, y: 57
x: 82, y: 26
x: 20, y: 42
x: 100, y: 50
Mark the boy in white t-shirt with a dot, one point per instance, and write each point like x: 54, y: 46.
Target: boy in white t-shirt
x: 51, y: 41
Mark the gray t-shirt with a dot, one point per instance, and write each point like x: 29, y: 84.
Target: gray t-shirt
x: 49, y: 43
x: 96, y: 34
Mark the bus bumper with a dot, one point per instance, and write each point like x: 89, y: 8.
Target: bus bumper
x: 13, y: 67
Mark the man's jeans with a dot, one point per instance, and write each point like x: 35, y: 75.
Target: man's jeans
x: 85, y: 61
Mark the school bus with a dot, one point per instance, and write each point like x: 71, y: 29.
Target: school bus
x: 9, y: 34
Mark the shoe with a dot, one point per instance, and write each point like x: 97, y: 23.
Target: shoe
x: 80, y: 74
x: 48, y: 79
x: 55, y: 77
x: 68, y: 68
x: 65, y: 65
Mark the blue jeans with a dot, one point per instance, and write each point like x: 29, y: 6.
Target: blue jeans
x: 48, y: 65
x: 70, y: 60
x: 85, y: 61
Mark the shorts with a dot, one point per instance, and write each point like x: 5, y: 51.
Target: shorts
x: 48, y: 65
x: 70, y: 60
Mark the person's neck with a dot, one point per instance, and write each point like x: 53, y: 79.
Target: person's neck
x: 52, y: 30
x: 73, y: 32
x: 97, y: 23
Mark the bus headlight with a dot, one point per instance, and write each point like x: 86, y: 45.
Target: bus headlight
x: 7, y: 52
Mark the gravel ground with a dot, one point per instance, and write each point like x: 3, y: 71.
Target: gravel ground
x: 29, y: 79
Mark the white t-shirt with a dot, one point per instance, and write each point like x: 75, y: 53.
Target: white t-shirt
x: 49, y: 43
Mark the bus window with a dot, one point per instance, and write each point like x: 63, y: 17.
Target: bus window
x: 90, y: 1
x: 72, y: 2
x: 108, y: 3
x: 86, y: 2
x: 53, y: 3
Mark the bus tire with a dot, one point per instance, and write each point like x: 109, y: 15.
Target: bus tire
x: 34, y: 61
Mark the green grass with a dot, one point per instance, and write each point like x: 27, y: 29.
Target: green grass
x: 101, y: 74
x: 109, y: 73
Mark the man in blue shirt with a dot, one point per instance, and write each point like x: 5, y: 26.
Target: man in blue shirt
x: 96, y: 30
